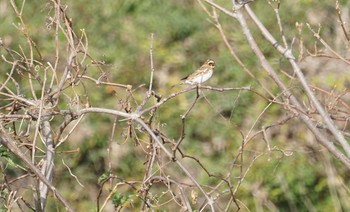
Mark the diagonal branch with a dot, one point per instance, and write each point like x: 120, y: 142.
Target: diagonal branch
x: 136, y: 117
x: 287, y: 53
x: 237, y: 14
x: 9, y: 143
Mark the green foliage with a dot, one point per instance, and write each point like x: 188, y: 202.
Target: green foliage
x: 4, y: 193
x: 4, y: 152
x: 103, y: 177
x: 120, y: 199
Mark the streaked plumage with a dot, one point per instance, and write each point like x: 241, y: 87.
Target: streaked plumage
x: 203, y: 74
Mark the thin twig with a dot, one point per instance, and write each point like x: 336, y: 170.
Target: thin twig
x: 9, y: 143
x: 152, y: 66
x: 136, y: 117
x: 287, y: 94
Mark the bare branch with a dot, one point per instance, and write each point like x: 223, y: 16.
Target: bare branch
x: 6, y: 140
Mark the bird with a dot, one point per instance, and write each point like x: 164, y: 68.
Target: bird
x: 201, y: 75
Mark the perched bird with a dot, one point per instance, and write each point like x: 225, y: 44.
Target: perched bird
x: 201, y: 75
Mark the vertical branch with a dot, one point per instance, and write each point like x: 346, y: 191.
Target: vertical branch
x: 24, y: 29
x: 149, y: 92
x: 152, y: 67
x: 57, y: 21
x: 148, y: 173
x: 183, y: 118
x: 47, y: 168
x: 342, y: 23
x: 41, y: 106
x: 9, y: 143
x: 71, y: 49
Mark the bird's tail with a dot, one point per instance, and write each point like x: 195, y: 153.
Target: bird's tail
x: 177, y: 84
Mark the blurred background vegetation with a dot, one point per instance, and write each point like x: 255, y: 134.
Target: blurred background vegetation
x: 292, y: 177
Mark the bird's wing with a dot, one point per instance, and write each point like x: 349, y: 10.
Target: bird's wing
x: 196, y: 73
x: 185, y: 77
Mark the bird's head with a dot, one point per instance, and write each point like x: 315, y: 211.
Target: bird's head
x: 211, y: 63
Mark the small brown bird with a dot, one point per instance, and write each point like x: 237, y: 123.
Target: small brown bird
x: 203, y: 74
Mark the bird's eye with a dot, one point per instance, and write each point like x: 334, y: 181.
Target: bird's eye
x: 211, y: 63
